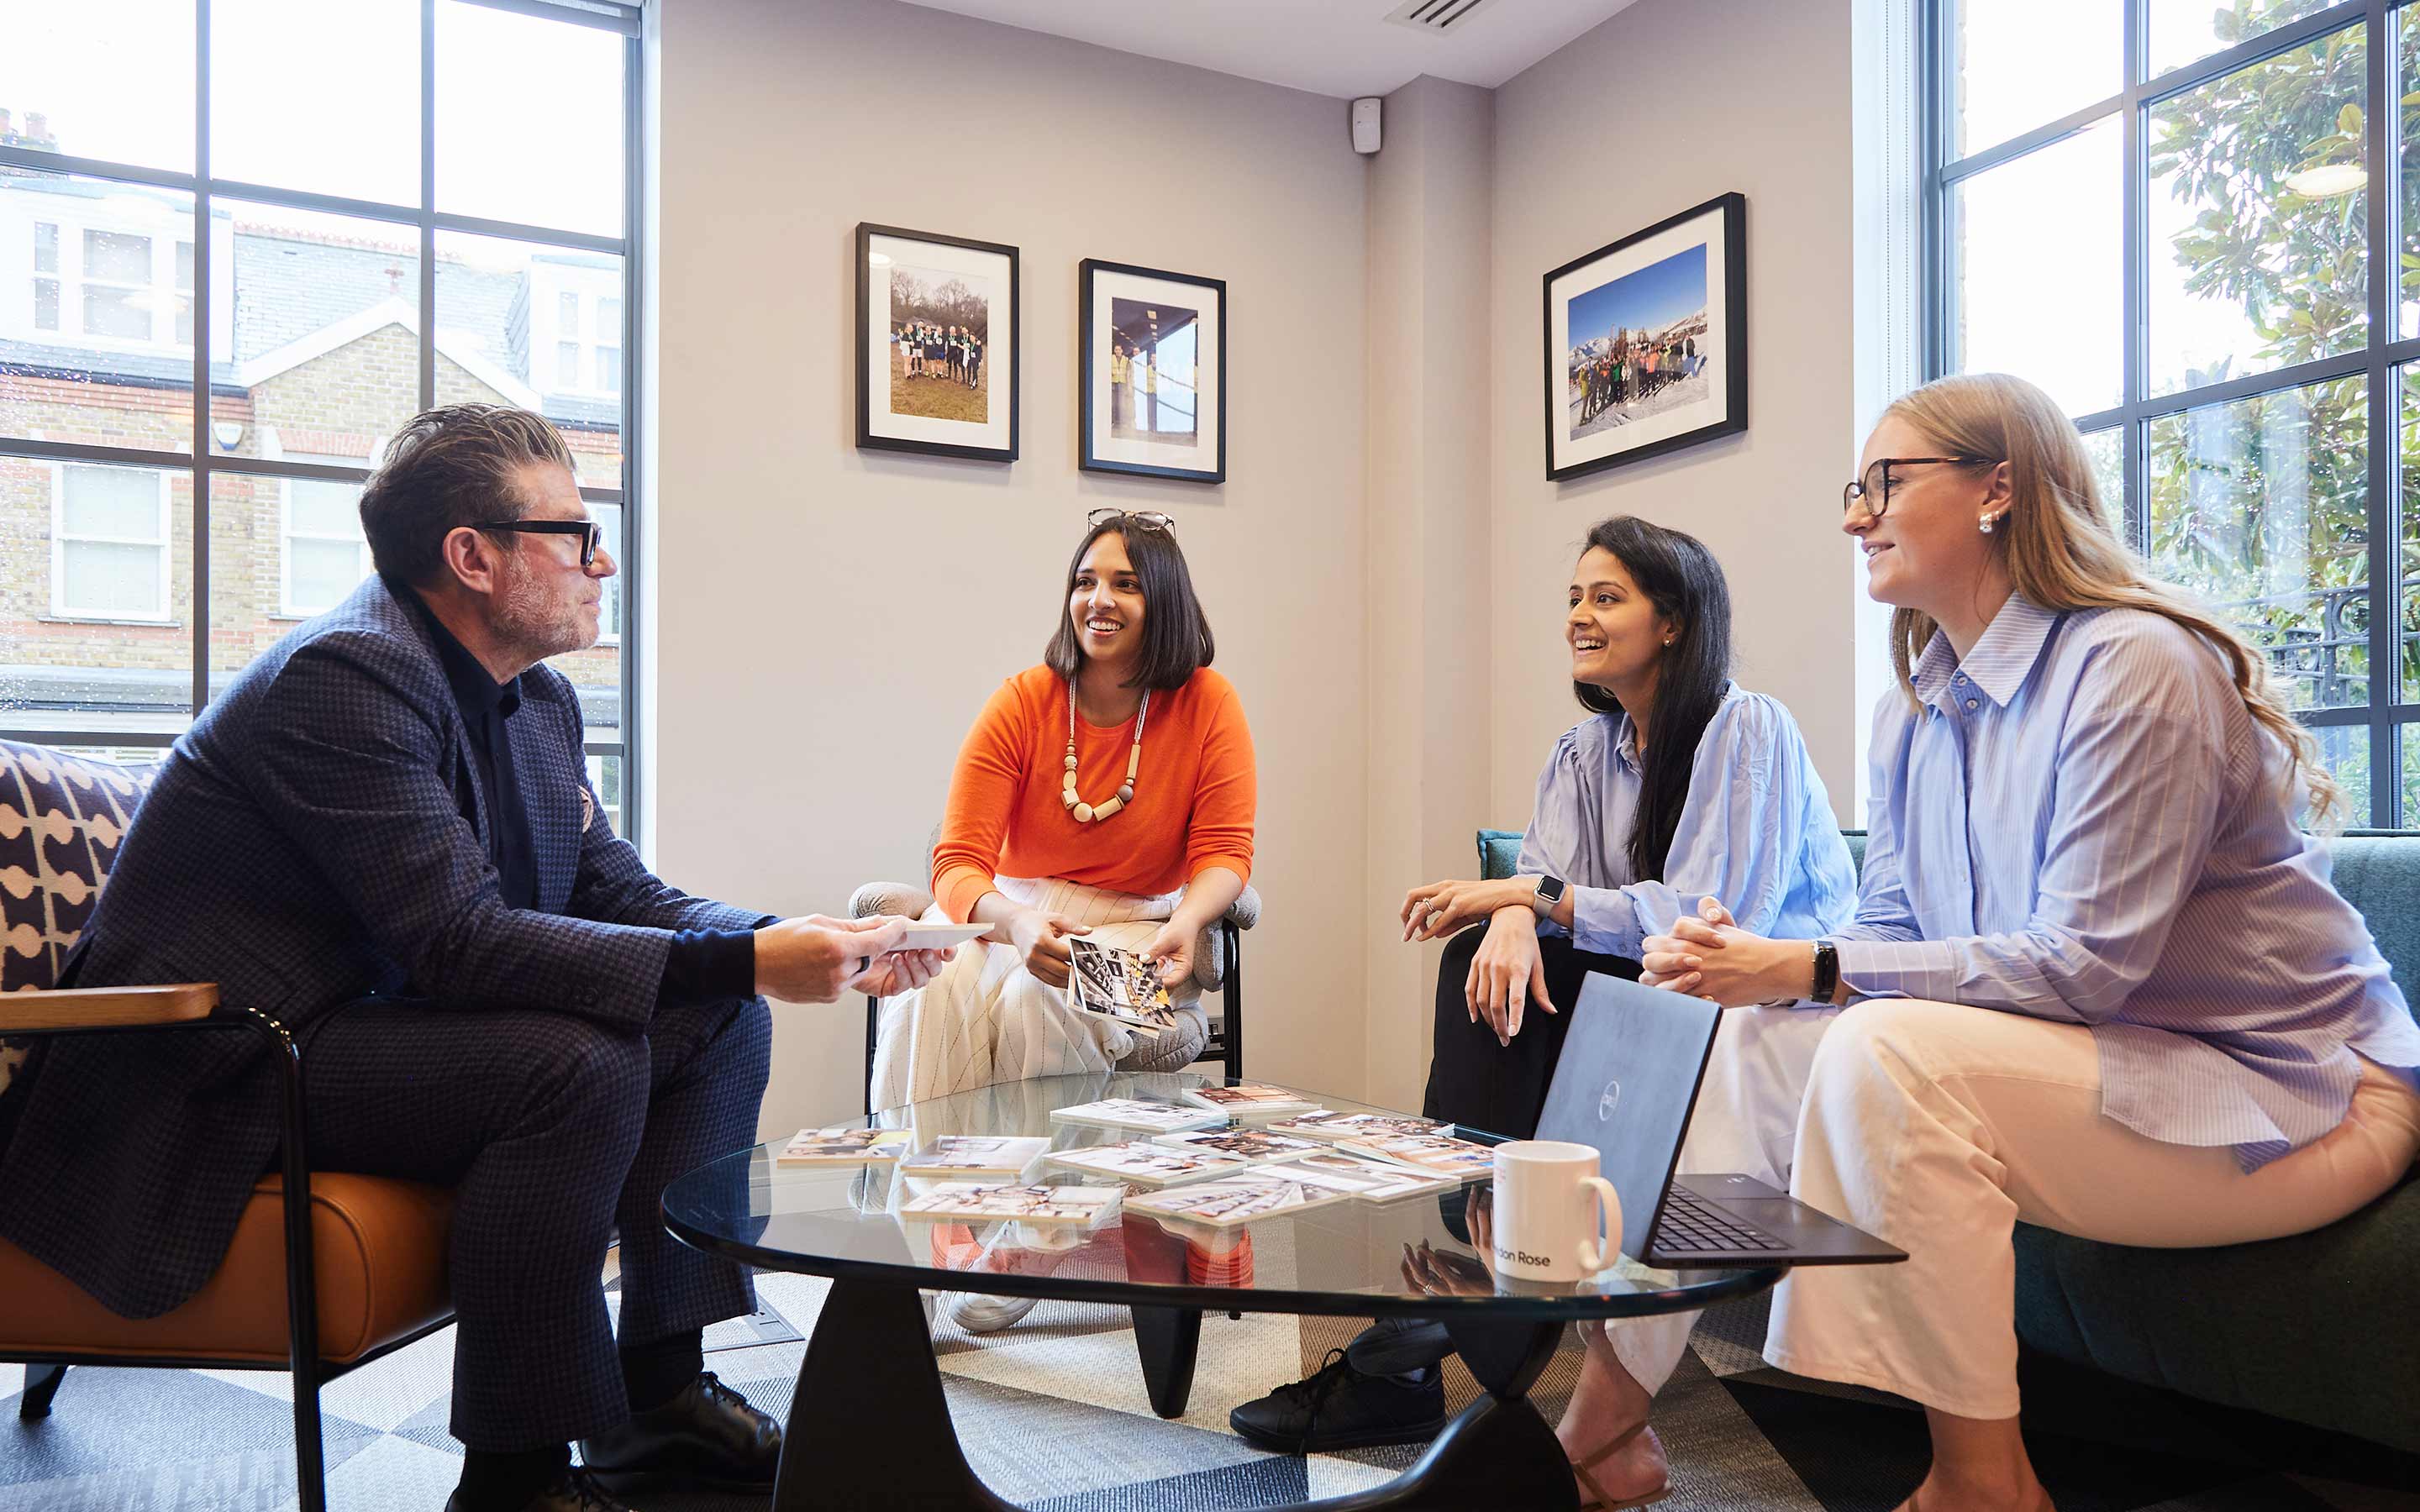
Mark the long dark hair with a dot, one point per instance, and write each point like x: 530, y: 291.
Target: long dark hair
x: 1176, y: 638
x: 1684, y: 582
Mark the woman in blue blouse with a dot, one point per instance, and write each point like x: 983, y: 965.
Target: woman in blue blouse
x: 1680, y: 787
x: 2105, y: 985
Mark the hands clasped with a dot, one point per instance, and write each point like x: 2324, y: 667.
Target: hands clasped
x: 1709, y: 956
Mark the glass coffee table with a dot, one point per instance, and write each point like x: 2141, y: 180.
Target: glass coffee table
x: 869, y: 1425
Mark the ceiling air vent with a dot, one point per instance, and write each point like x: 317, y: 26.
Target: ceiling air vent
x: 1435, y: 15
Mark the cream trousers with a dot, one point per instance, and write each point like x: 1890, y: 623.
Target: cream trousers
x: 1940, y: 1127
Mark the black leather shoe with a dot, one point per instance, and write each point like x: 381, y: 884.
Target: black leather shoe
x: 1339, y: 1408
x: 573, y: 1490
x: 706, y: 1436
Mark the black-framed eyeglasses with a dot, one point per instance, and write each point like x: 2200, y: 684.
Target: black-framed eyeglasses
x: 1872, y: 487
x: 1150, y: 519
x: 590, y: 531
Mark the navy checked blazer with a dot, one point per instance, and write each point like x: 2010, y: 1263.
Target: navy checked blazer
x: 304, y: 846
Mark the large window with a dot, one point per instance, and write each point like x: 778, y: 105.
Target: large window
x: 216, y: 307
x: 2192, y: 223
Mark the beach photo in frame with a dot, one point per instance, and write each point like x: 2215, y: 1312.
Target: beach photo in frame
x: 937, y: 370
x: 1152, y: 372
x: 1647, y: 342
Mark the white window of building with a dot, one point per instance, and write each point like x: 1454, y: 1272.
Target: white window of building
x: 46, y: 276
x: 322, y: 556
x: 109, y: 543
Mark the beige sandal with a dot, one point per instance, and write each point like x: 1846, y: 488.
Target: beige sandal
x: 1599, y: 1501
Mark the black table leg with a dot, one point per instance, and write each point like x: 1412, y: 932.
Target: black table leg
x: 1168, y: 1340
x: 868, y: 1423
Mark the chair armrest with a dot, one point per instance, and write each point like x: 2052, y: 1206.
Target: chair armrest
x: 889, y: 898
x: 46, y: 1010
x: 1245, y: 909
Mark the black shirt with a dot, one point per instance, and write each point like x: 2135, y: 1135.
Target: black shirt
x: 704, y: 965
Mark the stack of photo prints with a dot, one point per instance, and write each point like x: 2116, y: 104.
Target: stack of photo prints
x: 1121, y: 985
x: 843, y: 1145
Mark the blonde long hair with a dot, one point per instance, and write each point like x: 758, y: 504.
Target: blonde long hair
x: 2060, y: 551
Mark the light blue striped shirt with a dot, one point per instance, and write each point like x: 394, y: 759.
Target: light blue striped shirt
x: 2082, y: 821
x: 1756, y: 832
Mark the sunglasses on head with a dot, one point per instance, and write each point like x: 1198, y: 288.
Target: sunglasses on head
x: 1150, y: 519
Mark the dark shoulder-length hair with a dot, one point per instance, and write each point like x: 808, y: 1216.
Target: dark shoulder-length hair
x: 1684, y: 582
x: 1176, y: 640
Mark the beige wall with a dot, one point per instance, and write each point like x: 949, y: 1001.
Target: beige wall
x: 1689, y: 99
x: 830, y: 620
x: 1428, y: 489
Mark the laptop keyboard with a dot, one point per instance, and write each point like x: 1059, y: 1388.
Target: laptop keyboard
x: 1691, y: 1226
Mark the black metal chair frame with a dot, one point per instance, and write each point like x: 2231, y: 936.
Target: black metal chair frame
x: 46, y: 1370
x: 1225, y: 1046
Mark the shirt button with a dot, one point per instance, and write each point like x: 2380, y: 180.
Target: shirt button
x: 1972, y: 704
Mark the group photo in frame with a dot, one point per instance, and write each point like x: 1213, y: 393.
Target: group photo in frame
x: 1646, y: 342
x: 937, y: 336
x: 1152, y: 373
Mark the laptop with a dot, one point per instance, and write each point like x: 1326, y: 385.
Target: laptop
x: 1626, y: 1084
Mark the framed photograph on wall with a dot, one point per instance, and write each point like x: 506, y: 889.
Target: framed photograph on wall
x: 937, y: 368
x: 1152, y: 383
x: 1647, y: 342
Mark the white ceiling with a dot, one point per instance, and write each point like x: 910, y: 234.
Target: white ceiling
x: 1347, y: 48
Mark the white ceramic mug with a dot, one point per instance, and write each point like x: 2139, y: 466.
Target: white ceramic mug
x: 1548, y: 1199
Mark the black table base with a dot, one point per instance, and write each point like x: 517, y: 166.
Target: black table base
x: 869, y: 1425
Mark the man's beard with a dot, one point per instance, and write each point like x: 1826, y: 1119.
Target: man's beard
x: 535, y: 628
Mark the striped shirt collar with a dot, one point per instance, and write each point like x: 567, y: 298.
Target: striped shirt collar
x: 1999, y: 663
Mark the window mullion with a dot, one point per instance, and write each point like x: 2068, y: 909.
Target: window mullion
x: 2381, y: 130
x: 201, y: 472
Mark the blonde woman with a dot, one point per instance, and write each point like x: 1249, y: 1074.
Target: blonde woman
x: 2101, y: 983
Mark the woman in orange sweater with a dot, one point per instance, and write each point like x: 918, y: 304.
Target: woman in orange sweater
x: 1107, y: 793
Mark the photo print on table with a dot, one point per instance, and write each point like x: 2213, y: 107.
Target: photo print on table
x: 1145, y: 1163
x: 1321, y: 1124
x: 1258, y: 1145
x: 843, y: 1145
x: 936, y: 345
x: 1249, y: 1098
x: 1647, y: 342
x: 1151, y: 379
x: 1460, y: 1158
x: 1139, y: 1113
x: 984, y: 1202
x: 975, y: 1155
x: 1238, y: 1199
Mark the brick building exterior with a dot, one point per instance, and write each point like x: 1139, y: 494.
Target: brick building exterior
x: 314, y: 352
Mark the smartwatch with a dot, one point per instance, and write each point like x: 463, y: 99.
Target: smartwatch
x: 1827, y: 971
x: 1550, y: 893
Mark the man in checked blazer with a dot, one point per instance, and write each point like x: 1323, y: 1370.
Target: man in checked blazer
x: 383, y: 834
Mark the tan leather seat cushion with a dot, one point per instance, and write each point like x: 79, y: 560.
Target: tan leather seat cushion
x: 379, y: 1247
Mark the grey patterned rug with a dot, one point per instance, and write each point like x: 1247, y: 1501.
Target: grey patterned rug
x: 1053, y: 1415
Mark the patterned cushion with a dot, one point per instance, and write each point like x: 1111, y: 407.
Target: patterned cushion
x: 61, y: 820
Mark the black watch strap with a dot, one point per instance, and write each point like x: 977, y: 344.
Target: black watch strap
x: 1827, y: 971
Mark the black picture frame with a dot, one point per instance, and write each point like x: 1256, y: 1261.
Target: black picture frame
x: 1099, y: 447
x: 1577, y: 447
x: 926, y: 435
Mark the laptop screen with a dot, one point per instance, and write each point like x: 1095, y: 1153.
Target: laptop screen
x: 1625, y: 1082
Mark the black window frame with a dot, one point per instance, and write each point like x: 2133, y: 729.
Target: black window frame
x: 2386, y: 714
x: 623, y: 19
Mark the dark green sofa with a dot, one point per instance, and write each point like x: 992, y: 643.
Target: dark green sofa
x: 2319, y: 1328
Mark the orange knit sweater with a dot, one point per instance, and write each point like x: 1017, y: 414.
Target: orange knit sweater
x: 1192, y: 809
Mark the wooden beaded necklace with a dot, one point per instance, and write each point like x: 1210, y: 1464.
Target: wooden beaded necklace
x: 1086, y: 813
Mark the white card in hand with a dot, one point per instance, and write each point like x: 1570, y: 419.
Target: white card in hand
x: 939, y: 936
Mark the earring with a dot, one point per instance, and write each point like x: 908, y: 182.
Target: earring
x: 1987, y: 525
x: 1668, y: 640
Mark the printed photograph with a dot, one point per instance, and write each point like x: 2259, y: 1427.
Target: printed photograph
x: 1148, y: 1163
x: 1243, y: 1144
x: 940, y: 328
x: 936, y: 345
x: 1634, y: 351
x: 1430, y: 1153
x: 1373, y: 1181
x: 1022, y: 1204
x: 1120, y: 984
x: 1136, y: 1113
x: 1322, y: 1124
x: 841, y: 1145
x: 976, y: 1154
x: 1150, y: 384
x: 1236, y: 1199
x: 1247, y: 1095
x: 1153, y: 351
x: 1646, y: 342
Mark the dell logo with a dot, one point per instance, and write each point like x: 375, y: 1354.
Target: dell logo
x: 1607, y: 1101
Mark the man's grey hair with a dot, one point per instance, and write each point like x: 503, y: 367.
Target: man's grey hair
x: 448, y: 467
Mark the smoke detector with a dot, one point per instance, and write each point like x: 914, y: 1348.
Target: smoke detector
x: 1436, y: 16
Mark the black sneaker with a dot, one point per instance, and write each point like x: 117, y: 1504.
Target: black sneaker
x: 1339, y: 1408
